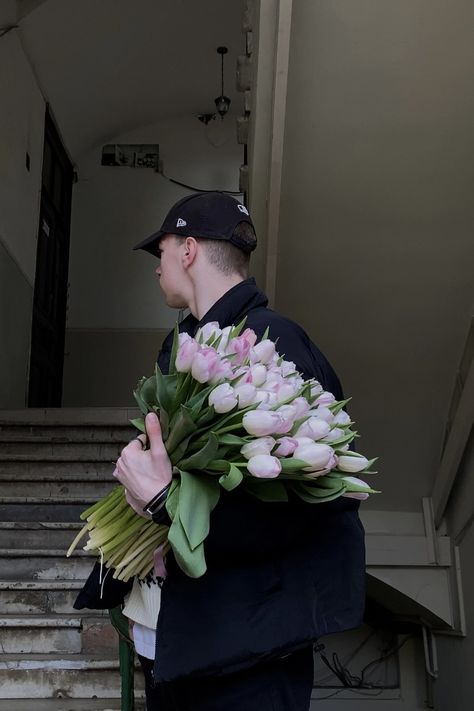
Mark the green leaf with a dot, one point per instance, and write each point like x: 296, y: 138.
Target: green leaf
x: 198, y: 495
x: 165, y: 390
x: 173, y: 498
x: 231, y: 439
x: 265, y: 334
x: 338, y: 406
x: 148, y: 393
x: 179, y: 451
x: 181, y: 427
x: 139, y: 423
x: 292, y: 465
x: 236, y: 331
x: 174, y: 350
x: 314, y: 495
x: 271, y: 491
x: 191, y: 562
x: 232, y: 479
x: 200, y: 459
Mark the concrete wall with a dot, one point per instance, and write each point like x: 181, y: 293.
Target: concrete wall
x: 117, y: 315
x: 21, y: 131
x: 454, y: 688
x: 377, y: 213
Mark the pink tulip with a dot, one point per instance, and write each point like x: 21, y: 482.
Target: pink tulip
x: 204, y: 364
x: 287, y: 367
x: 287, y: 414
x: 342, y: 418
x: 263, y: 352
x: 285, y: 391
x: 261, y: 423
x: 222, y: 371
x: 322, y: 413
x: 334, y: 434
x: 187, y: 349
x: 208, y: 332
x: 250, y: 336
x: 258, y: 373
x: 302, y: 406
x: 239, y: 348
x: 286, y: 446
x: 316, y: 389
x: 262, y: 445
x: 354, y: 482
x: 314, y: 428
x: 245, y: 394
x: 352, y: 463
x: 316, y: 455
x: 326, y: 398
x: 223, y: 398
x: 264, y: 466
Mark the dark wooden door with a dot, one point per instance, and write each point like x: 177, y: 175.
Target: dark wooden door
x: 52, y: 263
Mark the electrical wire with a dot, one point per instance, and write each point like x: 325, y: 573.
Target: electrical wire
x: 200, y: 190
x: 353, y: 681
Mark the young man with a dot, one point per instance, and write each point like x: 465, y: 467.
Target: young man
x: 279, y: 575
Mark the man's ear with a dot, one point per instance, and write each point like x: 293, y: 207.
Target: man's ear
x: 189, y: 251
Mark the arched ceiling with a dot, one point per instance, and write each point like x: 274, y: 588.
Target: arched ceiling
x: 107, y: 67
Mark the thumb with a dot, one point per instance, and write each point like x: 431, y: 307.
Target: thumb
x: 153, y: 430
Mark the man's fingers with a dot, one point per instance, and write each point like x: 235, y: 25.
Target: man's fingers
x: 138, y: 442
x: 153, y: 430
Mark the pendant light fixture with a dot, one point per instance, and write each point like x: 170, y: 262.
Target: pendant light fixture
x: 222, y: 102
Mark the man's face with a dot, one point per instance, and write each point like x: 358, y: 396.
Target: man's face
x: 171, y: 273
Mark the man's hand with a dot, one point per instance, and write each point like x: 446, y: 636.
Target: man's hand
x: 144, y: 472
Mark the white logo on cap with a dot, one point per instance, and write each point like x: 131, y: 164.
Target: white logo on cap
x: 181, y: 223
x: 243, y: 209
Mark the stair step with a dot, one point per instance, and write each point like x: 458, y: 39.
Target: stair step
x: 64, y: 681
x: 96, y: 416
x: 38, y: 535
x: 48, y: 452
x: 57, y: 633
x: 54, y: 471
x: 57, y: 434
x: 34, y: 509
x: 36, y: 597
x: 44, y: 564
x: 60, y: 704
x: 53, y: 489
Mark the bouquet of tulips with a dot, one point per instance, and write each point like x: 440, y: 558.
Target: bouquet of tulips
x: 233, y: 412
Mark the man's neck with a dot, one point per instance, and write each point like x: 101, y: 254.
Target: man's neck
x: 209, y: 292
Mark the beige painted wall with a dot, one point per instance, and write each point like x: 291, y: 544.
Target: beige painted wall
x: 375, y: 246
x: 117, y: 314
x: 21, y: 130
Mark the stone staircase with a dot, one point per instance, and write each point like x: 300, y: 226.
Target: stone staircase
x: 53, y: 463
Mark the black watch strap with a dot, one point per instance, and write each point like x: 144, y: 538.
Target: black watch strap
x: 157, y: 503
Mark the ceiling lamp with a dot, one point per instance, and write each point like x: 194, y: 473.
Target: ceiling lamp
x: 222, y: 102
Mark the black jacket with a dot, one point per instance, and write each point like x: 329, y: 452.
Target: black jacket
x: 279, y: 575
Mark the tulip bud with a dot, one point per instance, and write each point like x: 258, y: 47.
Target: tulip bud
x: 314, y: 428
x: 259, y: 374
x: 326, y: 398
x: 316, y: 389
x: 286, y: 446
x: 322, y: 413
x: 187, y: 349
x: 264, y: 466
x: 263, y: 352
x: 334, y: 434
x: 357, y: 488
x: 261, y: 423
x: 352, y: 463
x: 223, y: 398
x: 316, y: 455
x: 262, y: 445
x: 302, y: 406
x: 209, y: 331
x: 245, y: 394
x: 342, y: 418
x: 204, y: 364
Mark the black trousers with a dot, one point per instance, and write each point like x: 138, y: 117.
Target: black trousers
x: 279, y: 685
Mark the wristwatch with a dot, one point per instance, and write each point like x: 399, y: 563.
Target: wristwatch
x: 156, y: 506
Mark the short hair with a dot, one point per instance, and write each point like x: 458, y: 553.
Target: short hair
x: 225, y: 256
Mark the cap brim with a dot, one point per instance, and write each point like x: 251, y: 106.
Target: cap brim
x: 150, y: 244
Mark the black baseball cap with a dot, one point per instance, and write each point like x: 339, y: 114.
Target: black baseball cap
x: 212, y: 215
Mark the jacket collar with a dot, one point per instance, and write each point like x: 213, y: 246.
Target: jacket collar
x: 230, y: 308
